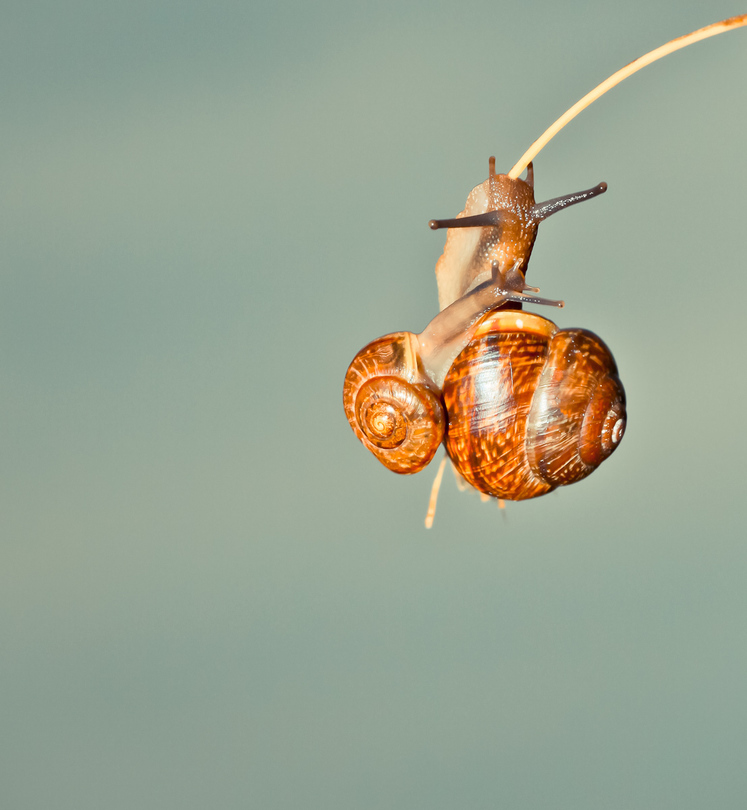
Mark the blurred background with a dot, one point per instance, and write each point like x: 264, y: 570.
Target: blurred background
x: 210, y: 594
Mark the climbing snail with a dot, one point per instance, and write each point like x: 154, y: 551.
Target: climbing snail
x: 521, y: 406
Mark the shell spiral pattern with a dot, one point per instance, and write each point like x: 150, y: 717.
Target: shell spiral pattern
x: 391, y: 406
x: 578, y: 413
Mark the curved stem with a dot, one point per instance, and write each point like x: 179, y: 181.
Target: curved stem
x: 616, y: 78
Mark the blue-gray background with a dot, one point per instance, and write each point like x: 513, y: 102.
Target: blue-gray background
x: 210, y: 595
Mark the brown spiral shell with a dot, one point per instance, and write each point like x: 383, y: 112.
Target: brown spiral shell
x: 531, y: 407
x: 390, y: 404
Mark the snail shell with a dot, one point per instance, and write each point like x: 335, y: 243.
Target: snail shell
x: 392, y: 406
x: 531, y: 407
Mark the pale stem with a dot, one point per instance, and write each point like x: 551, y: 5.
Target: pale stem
x: 616, y: 78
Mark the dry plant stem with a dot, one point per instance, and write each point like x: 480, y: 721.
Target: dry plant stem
x: 431, y: 513
x: 616, y: 78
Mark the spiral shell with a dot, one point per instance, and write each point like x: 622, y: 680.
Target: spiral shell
x: 391, y: 405
x: 578, y: 412
x: 531, y: 407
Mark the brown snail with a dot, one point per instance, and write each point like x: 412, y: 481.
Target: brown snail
x: 521, y: 406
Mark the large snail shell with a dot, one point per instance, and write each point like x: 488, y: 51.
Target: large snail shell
x: 391, y: 405
x: 530, y: 407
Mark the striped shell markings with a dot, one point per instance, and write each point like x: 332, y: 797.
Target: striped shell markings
x: 392, y: 406
x: 531, y: 407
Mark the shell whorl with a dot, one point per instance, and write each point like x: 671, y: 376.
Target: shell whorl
x: 531, y: 407
x: 391, y: 405
x: 578, y: 412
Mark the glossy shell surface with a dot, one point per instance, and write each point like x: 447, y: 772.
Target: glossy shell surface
x: 391, y: 406
x: 531, y: 407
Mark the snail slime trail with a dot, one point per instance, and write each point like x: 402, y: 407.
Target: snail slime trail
x: 521, y: 406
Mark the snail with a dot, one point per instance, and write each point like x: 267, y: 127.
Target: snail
x: 521, y: 406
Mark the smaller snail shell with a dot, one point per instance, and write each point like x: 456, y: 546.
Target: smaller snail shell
x: 392, y: 406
